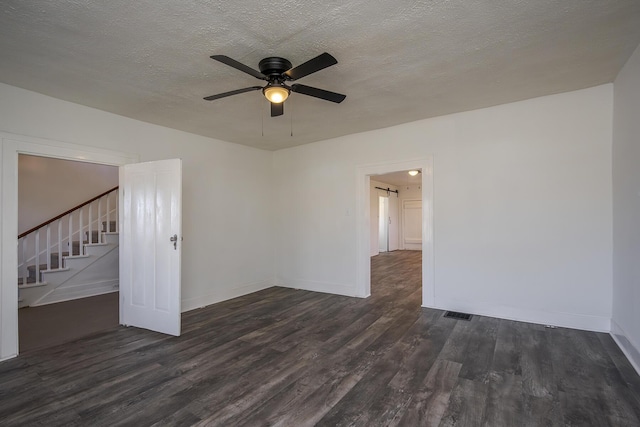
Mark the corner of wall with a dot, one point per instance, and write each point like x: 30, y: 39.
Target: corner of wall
x: 348, y: 290
x: 630, y: 349
x: 625, y: 328
x: 189, y: 304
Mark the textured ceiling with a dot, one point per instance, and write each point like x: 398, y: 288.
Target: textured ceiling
x: 398, y: 61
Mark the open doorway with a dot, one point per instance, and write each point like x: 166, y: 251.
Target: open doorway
x: 67, y: 250
x: 13, y: 146
x: 366, y: 218
x: 396, y: 234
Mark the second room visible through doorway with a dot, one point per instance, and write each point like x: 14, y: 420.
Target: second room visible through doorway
x: 56, y: 266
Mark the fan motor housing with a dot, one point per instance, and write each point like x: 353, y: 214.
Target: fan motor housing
x: 274, y: 65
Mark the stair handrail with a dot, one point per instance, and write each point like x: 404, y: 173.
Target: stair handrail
x: 20, y: 236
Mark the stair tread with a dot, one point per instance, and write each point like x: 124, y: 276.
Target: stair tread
x: 95, y: 238
x: 42, y: 266
x: 32, y: 285
x: 29, y: 280
x: 55, y: 269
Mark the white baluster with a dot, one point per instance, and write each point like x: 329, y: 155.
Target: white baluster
x: 59, y: 243
x: 70, y: 234
x: 24, y: 273
x: 99, y: 227
x: 90, y: 239
x: 117, y: 212
x: 48, y: 249
x: 37, y: 257
x: 80, y: 231
x: 108, y: 212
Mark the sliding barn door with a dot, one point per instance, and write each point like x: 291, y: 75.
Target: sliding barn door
x: 150, y: 245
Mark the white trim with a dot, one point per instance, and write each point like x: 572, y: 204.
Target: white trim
x: 227, y: 294
x: 363, y: 219
x: 68, y: 151
x: 11, y: 146
x: 584, y: 322
x: 317, y: 286
x: 630, y: 349
x: 413, y: 241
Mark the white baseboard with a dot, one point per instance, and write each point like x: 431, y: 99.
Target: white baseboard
x: 225, y: 294
x: 631, y: 350
x: 565, y: 320
x: 12, y: 356
x: 348, y: 290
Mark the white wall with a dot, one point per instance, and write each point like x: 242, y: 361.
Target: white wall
x: 522, y: 202
x: 227, y: 189
x: 48, y: 187
x: 522, y: 208
x: 626, y: 209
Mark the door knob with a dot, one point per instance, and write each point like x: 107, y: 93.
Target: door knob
x: 174, y: 239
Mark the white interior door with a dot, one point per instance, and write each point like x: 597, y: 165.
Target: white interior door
x: 150, y: 245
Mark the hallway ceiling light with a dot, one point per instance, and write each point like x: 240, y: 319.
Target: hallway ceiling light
x: 414, y: 172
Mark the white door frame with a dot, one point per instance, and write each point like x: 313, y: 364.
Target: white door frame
x: 11, y: 146
x: 363, y: 221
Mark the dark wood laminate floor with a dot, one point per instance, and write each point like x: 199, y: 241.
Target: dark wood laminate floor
x: 296, y: 358
x: 52, y: 324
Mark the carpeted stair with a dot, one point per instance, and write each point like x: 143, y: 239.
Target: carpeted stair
x: 75, y: 251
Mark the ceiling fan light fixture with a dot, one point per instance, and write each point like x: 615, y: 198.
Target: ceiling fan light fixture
x: 276, y: 71
x: 276, y: 94
x: 414, y: 172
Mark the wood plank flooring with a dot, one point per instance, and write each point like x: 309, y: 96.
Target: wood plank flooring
x: 287, y: 357
x: 52, y: 324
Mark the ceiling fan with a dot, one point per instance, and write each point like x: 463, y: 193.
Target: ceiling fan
x: 277, y: 71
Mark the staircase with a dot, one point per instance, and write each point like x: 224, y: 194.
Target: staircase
x: 74, y: 255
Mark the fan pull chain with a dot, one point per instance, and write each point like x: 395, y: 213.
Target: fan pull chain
x: 291, y: 115
x: 261, y: 115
